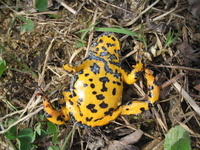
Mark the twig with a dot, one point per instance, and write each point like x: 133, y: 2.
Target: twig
x: 179, y: 67
x: 66, y: 6
x: 143, y: 12
x: 187, y: 97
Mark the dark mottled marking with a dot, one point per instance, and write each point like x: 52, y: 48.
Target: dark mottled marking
x: 103, y: 105
x: 98, y: 119
x: 80, y: 100
x: 81, y: 114
x: 118, y: 64
x: 113, y: 38
x: 71, y: 103
x: 112, y: 56
x: 91, y: 108
x: 100, y: 97
x: 92, y: 85
x: 89, y: 119
x: 47, y: 115
x: 97, y: 49
x: 100, y: 41
x: 117, y: 74
x: 90, y: 79
x: 114, y: 91
x: 94, y: 92
x: 104, y: 48
x: 106, y: 67
x: 142, y: 109
x: 104, y: 54
x: 109, y: 112
x: 59, y: 118
x: 95, y: 68
x: 127, y: 109
x: 115, y: 82
x: 150, y: 105
x: 151, y: 87
x: 150, y: 94
x: 85, y: 85
x: 110, y: 45
x: 104, y: 80
x: 87, y: 74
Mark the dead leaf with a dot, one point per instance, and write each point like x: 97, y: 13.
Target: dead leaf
x: 197, y: 87
x: 194, y: 8
x: 126, y: 142
x: 188, y: 53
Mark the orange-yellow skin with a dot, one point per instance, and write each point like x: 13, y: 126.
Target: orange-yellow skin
x: 95, y: 94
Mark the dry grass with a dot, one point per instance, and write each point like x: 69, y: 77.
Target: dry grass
x: 50, y: 44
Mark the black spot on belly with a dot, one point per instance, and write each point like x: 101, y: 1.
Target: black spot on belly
x: 59, y: 118
x: 150, y: 94
x: 150, y: 88
x: 87, y: 74
x: 109, y: 112
x: 90, y: 79
x: 47, y: 115
x: 89, y: 119
x: 94, y: 92
x: 117, y: 74
x: 104, y: 54
x: 113, y: 38
x: 91, y: 108
x: 92, y: 85
x: 104, y: 80
x: 85, y: 85
x: 100, y: 41
x: 110, y: 45
x: 81, y: 114
x: 100, y: 97
x: 114, y: 91
x: 95, y: 68
x: 71, y: 103
x: 80, y: 100
x: 103, y: 105
x: 115, y: 82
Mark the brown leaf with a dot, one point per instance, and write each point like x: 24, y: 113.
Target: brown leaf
x: 188, y: 53
x: 194, y: 8
x: 197, y: 87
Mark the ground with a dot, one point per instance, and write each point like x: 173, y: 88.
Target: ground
x: 35, y: 44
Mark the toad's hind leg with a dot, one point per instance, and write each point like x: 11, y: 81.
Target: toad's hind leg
x: 55, y: 116
x: 136, y: 107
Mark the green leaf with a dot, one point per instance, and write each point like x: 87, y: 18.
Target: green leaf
x: 54, y: 138
x: 11, y: 134
x: 51, y: 128
x: 38, y: 128
x: 24, y: 144
x: 2, y: 66
x: 79, y: 44
x: 26, y: 134
x: 28, y: 26
x: 177, y: 138
x: 118, y: 30
x: 41, y: 5
x: 53, y: 147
